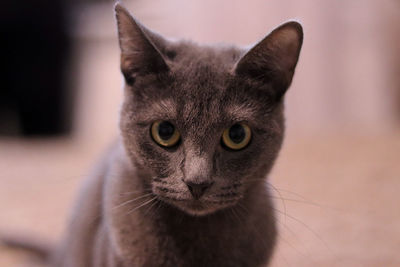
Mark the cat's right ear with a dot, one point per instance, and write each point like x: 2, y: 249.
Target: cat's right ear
x: 139, y: 56
x: 273, y: 60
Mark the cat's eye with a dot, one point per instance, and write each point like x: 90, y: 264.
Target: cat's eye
x: 164, y: 133
x: 237, y: 136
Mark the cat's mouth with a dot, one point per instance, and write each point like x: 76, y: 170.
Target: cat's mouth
x: 197, y: 207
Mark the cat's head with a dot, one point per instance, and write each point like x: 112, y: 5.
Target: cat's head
x: 204, y: 124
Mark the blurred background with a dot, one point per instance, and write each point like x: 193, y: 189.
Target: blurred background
x: 338, y: 175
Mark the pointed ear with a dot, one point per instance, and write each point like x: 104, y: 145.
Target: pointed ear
x: 139, y: 55
x: 273, y: 59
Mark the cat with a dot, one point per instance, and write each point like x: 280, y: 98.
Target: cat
x: 201, y: 127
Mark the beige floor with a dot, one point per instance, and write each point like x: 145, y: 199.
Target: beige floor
x: 341, y: 196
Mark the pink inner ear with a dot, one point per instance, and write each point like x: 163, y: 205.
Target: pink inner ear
x: 278, y: 52
x: 287, y: 43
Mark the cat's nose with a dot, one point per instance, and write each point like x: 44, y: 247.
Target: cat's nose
x: 198, y: 189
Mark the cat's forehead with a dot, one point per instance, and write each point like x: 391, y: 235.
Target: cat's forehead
x: 197, y: 93
x: 200, y: 71
x: 203, y: 63
x: 200, y: 78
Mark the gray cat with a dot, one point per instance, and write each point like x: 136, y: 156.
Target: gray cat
x: 201, y: 127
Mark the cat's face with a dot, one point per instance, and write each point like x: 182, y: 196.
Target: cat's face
x: 204, y: 123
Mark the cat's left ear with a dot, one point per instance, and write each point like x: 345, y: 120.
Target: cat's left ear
x: 139, y: 54
x: 273, y: 59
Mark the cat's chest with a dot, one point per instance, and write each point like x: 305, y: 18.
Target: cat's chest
x: 163, y: 244
x: 204, y: 251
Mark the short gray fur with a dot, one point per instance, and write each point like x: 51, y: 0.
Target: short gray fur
x: 202, y: 90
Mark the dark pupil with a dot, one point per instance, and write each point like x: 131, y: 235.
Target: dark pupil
x: 165, y: 130
x: 237, y: 133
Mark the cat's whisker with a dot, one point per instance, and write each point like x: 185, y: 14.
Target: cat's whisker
x: 244, y: 208
x: 303, y: 200
x: 220, y: 202
x: 307, y: 227
x: 159, y: 203
x: 280, y: 197
x: 258, y: 234
x: 308, y: 255
x: 229, y: 212
x: 136, y: 191
x: 130, y: 201
x: 167, y: 189
x: 280, y: 237
x: 254, y: 179
x: 150, y: 207
x: 290, y: 192
x: 300, y: 201
x: 241, y: 219
x: 142, y: 205
x: 230, y: 187
x: 245, y: 216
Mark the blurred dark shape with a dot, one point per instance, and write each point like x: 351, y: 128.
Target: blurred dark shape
x: 35, y: 48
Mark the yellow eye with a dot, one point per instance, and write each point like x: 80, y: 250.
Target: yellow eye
x: 164, y: 133
x: 237, y: 136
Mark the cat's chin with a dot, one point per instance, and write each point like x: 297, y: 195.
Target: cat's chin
x: 195, y: 207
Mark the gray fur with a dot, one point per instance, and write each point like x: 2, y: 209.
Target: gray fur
x: 136, y: 210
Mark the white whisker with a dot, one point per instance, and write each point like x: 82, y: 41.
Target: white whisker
x: 143, y: 204
x: 131, y: 200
